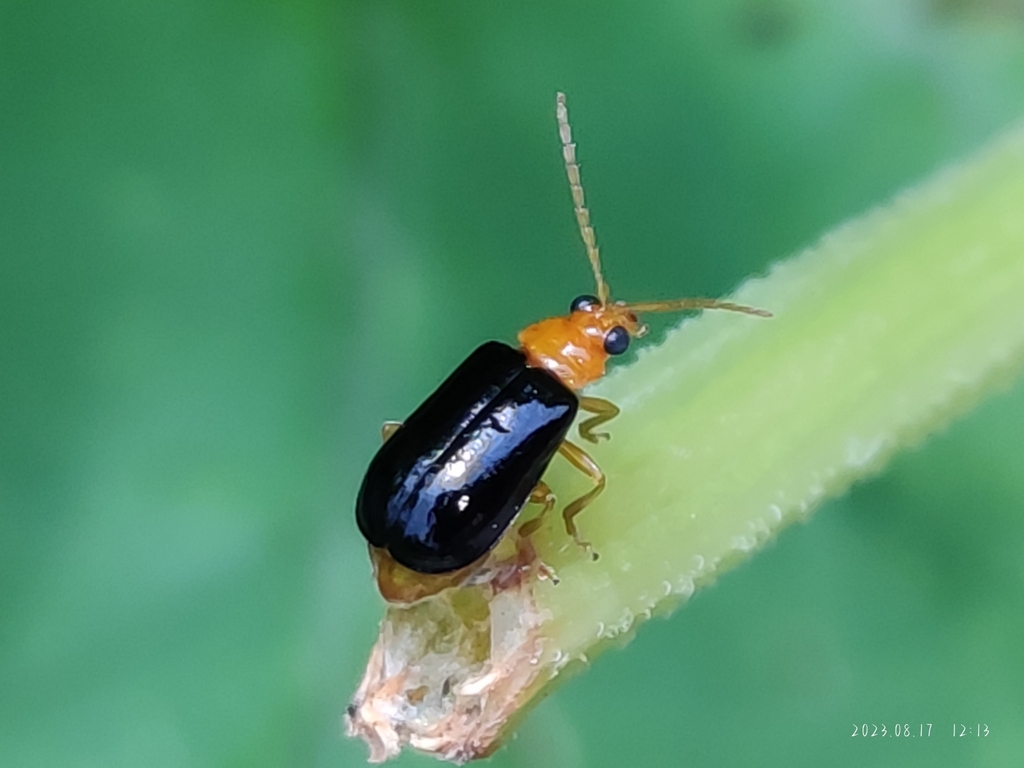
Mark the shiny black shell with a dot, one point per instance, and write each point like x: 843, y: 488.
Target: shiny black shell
x: 442, y: 490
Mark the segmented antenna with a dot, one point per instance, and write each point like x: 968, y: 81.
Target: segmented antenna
x: 572, y: 170
x: 681, y: 305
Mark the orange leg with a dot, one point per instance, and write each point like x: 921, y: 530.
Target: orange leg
x: 539, y: 495
x: 579, y: 459
x: 525, y: 552
x: 603, y: 411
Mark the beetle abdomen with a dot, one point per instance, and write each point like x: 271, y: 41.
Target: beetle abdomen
x: 441, y: 492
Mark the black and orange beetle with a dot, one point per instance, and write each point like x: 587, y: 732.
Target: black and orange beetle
x: 450, y: 480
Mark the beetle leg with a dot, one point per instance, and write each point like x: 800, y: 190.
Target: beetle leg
x: 388, y: 429
x: 525, y: 552
x: 604, y: 410
x: 579, y: 459
x: 539, y: 495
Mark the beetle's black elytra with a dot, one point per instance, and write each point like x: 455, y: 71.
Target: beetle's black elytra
x: 444, y: 488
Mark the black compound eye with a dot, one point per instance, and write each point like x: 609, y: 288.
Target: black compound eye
x: 616, y: 341
x: 586, y: 301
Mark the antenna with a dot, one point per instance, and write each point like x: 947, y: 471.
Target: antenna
x: 572, y: 170
x: 681, y: 305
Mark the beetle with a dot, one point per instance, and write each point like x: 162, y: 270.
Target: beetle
x: 449, y: 481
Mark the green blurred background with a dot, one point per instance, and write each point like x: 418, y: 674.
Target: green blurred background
x: 235, y: 237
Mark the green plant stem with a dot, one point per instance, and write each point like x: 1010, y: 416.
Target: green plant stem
x: 734, y: 427
x: 889, y: 327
